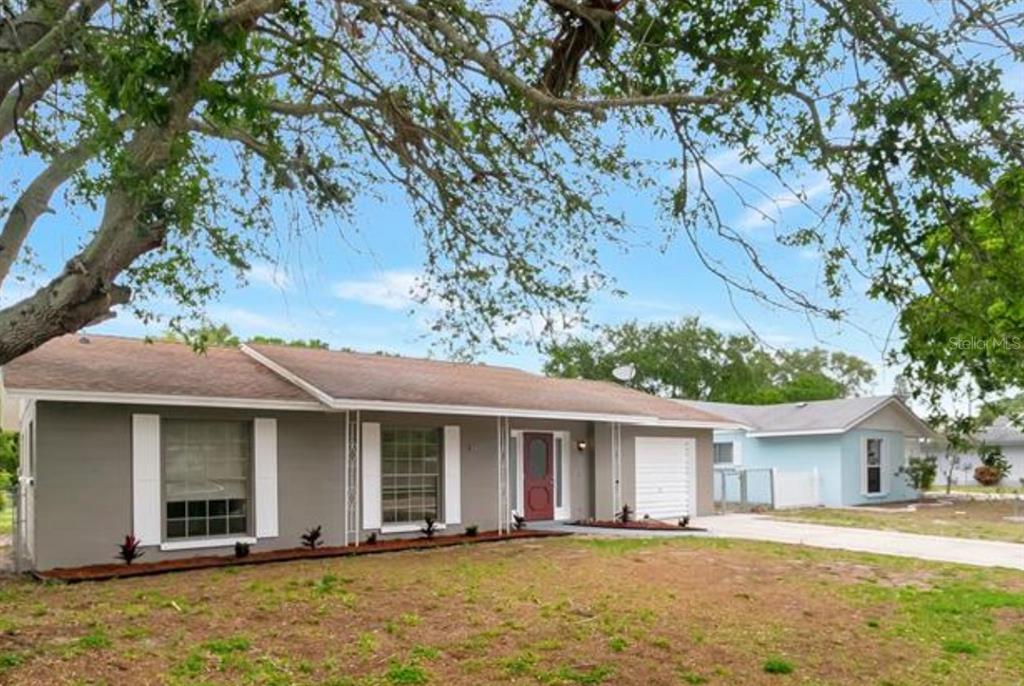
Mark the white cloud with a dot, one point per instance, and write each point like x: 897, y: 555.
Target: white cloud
x: 770, y: 210
x: 248, y: 323
x: 391, y: 290
x: 269, y: 275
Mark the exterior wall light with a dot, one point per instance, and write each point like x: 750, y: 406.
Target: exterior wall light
x: 581, y: 445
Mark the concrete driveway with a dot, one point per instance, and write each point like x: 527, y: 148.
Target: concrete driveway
x: 967, y: 551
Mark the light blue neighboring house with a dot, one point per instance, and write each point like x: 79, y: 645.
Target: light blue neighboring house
x: 831, y: 452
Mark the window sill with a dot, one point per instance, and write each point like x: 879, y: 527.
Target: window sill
x: 194, y: 543
x: 874, y: 495
x: 406, y: 528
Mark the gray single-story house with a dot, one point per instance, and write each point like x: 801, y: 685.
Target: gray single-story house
x: 829, y: 452
x: 193, y: 453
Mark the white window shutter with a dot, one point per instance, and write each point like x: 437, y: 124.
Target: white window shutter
x: 146, y: 496
x: 737, y: 452
x: 265, y: 491
x: 371, y: 475
x: 452, y: 475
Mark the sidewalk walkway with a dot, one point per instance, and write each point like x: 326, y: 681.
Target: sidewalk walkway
x: 967, y: 551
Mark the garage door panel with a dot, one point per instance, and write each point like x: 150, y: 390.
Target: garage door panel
x: 665, y: 472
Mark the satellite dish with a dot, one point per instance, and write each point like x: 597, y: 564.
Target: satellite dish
x: 624, y: 373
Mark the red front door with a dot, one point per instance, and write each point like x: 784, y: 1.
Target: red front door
x: 538, y: 476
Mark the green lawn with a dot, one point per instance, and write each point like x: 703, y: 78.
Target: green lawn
x: 976, y: 488
x: 985, y: 519
x: 554, y: 611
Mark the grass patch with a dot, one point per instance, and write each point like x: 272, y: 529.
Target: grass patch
x: 776, y: 665
x: 960, y: 647
x: 96, y: 639
x: 406, y: 674
x: 981, y: 519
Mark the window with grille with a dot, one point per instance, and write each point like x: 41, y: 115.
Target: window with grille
x: 410, y: 474
x: 207, y: 467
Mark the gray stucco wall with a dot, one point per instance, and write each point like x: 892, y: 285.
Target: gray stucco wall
x: 83, y: 476
x: 603, y: 468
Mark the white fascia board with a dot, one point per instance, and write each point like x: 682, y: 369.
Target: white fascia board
x: 806, y: 432
x: 152, y: 399
x: 480, y: 411
x: 696, y: 424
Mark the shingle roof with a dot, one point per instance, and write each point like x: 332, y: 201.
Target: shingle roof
x: 822, y: 416
x: 108, y: 364
x: 1002, y: 432
x: 361, y: 377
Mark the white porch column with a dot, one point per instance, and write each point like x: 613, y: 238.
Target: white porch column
x: 616, y: 467
x: 504, y: 514
x: 351, y: 476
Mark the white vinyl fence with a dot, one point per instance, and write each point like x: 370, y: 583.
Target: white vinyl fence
x: 739, y: 489
x: 796, y: 489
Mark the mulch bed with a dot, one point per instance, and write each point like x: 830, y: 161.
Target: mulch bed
x: 122, y: 571
x: 645, y: 524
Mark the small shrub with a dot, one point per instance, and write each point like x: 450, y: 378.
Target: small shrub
x: 776, y: 665
x: 129, y: 551
x: 994, y: 466
x: 241, y: 549
x: 920, y: 472
x: 518, y: 521
x: 372, y: 538
x: 625, y: 514
x: 472, y: 530
x: 313, y: 538
x: 430, y: 527
x: 684, y: 522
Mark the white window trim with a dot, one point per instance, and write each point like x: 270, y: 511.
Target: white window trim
x: 196, y: 543
x: 883, y: 481
x: 408, y: 528
x: 731, y: 463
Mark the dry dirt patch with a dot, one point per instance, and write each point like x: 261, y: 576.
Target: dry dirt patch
x: 623, y: 611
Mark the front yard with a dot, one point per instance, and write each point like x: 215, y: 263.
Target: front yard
x: 985, y: 519
x: 556, y: 611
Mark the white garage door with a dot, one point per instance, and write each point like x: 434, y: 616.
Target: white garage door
x: 665, y: 477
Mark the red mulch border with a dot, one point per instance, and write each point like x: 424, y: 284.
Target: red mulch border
x: 641, y: 524
x: 123, y: 571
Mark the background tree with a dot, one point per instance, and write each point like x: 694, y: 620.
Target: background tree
x: 690, y: 360
x: 221, y: 335
x: 174, y: 128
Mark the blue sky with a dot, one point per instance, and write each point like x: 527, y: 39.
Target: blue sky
x: 354, y: 291
x: 350, y: 285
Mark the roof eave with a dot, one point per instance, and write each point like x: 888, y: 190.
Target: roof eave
x: 116, y: 398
